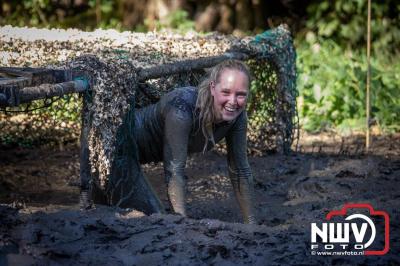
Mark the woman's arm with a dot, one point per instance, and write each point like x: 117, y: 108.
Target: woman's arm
x: 239, y: 168
x: 176, y: 136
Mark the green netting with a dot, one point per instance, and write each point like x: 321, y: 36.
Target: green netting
x: 275, y: 87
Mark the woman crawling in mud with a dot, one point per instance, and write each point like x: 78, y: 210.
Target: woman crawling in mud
x: 188, y: 120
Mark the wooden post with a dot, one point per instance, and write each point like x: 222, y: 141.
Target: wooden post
x: 368, y: 104
x: 85, y: 175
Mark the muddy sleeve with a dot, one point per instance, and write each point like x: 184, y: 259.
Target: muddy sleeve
x: 239, y: 168
x: 176, y: 136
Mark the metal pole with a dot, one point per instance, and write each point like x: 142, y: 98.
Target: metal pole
x: 368, y: 104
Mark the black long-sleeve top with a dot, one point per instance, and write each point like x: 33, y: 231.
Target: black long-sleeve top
x: 170, y: 130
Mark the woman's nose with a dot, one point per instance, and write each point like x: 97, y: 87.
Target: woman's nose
x: 232, y: 99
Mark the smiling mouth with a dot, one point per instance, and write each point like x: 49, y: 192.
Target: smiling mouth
x: 230, y: 109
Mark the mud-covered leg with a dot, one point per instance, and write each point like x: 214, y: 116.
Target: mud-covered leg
x: 127, y: 186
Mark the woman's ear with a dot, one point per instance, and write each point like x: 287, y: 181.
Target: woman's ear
x: 212, y: 88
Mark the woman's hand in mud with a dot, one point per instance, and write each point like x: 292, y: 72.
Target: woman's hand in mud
x: 176, y: 194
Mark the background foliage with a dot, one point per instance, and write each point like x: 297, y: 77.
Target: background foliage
x: 330, y: 37
x: 332, y: 65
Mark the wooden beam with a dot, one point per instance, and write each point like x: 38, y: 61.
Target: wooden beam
x: 43, y: 91
x: 188, y: 65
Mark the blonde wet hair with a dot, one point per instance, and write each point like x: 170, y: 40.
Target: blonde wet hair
x: 205, y: 101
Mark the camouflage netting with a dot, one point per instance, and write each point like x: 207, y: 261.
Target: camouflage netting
x: 116, y: 59
x: 114, y: 85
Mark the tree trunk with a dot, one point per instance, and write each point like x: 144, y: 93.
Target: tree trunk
x: 140, y: 12
x: 226, y: 12
x: 244, y: 15
x: 207, y: 17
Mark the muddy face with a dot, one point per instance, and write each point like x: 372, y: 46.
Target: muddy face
x: 230, y: 94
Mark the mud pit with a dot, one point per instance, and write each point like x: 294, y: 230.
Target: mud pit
x: 40, y: 222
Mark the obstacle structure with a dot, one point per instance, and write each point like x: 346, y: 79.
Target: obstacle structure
x: 116, y: 78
